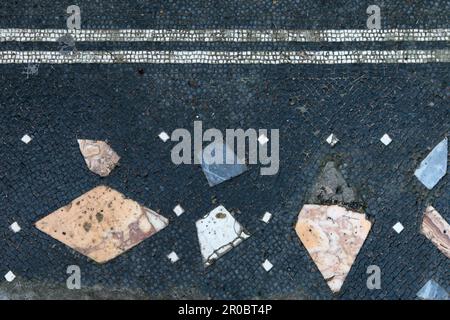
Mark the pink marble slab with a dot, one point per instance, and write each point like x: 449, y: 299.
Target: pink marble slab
x: 333, y: 236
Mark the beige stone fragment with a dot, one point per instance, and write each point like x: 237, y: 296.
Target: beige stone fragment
x: 99, y: 156
x: 333, y: 236
x: 436, y: 229
x: 102, y: 224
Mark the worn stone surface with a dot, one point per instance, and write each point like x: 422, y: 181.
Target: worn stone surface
x: 99, y: 156
x: 102, y: 224
x: 333, y: 237
x: 23, y: 289
x: 435, y: 228
x: 331, y: 186
x: 218, y: 232
x: 434, y: 166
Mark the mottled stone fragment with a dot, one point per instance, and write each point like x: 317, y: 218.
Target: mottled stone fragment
x: 99, y: 156
x: 434, y: 167
x: 333, y: 236
x: 218, y: 232
x: 436, y: 229
x: 102, y: 224
x: 331, y: 186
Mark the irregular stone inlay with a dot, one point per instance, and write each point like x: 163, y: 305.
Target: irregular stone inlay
x: 331, y: 187
x: 436, y: 229
x: 432, y: 291
x: 333, y: 237
x: 218, y: 232
x: 227, y: 166
x: 99, y: 156
x: 102, y: 224
x: 434, y: 167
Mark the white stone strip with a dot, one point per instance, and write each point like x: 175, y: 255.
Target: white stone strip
x: 225, y: 35
x: 228, y: 57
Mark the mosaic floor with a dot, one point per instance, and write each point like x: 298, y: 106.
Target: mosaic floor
x: 352, y: 204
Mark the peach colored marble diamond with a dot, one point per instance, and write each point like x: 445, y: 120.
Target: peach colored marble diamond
x: 436, y: 229
x: 99, y: 156
x: 102, y: 224
x: 333, y: 236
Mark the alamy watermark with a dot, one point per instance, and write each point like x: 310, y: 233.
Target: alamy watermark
x: 227, y: 148
x: 73, y: 22
x: 374, y: 279
x: 74, y: 280
x: 374, y: 19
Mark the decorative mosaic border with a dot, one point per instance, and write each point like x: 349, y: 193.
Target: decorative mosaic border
x: 225, y: 35
x: 228, y: 57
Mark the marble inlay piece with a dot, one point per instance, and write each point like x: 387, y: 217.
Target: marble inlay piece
x: 434, y: 166
x: 99, y: 156
x: 333, y: 236
x: 102, y: 224
x: 218, y: 232
x: 432, y: 291
x: 220, y: 163
x: 436, y: 229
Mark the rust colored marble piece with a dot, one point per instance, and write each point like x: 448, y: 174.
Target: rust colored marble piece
x: 333, y: 237
x: 102, y: 224
x: 436, y: 229
x: 99, y: 156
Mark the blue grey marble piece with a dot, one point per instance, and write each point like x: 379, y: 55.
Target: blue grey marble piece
x: 434, y: 166
x: 432, y: 291
x: 217, y: 173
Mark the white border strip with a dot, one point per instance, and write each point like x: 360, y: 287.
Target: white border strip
x: 228, y: 57
x: 225, y: 35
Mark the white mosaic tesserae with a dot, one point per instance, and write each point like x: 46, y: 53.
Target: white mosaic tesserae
x: 164, y: 136
x: 178, y: 210
x: 229, y: 57
x: 26, y: 139
x: 398, y: 227
x: 386, y: 139
x: 332, y: 140
x: 262, y: 139
x: 15, y: 227
x: 173, y: 257
x: 226, y: 35
x: 266, y: 217
x: 10, y: 276
x: 267, y: 265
